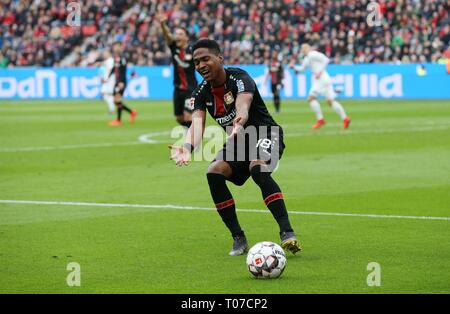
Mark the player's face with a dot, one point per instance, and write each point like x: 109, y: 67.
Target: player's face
x: 207, y: 63
x: 305, y: 49
x: 117, y: 49
x: 181, y: 37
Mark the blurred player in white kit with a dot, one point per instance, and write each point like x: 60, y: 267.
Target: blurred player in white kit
x: 321, y: 85
x: 108, y: 81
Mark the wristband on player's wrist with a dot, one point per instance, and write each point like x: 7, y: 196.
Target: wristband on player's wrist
x: 189, y: 147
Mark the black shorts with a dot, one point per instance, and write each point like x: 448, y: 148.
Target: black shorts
x: 118, y: 91
x: 276, y: 88
x: 267, y: 145
x: 181, y: 101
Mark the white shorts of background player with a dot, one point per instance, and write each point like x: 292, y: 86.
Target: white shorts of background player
x: 322, y: 87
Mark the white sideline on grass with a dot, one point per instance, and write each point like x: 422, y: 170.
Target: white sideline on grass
x: 148, y: 138
x: 170, y: 206
x: 75, y: 146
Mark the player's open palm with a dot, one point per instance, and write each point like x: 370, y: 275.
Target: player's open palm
x: 161, y: 17
x: 180, y: 155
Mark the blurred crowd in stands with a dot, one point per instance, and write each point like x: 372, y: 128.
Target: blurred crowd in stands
x: 36, y: 33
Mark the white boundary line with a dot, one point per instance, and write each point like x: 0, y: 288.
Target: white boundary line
x: 170, y: 206
x: 353, y: 132
x: 148, y: 138
x: 62, y: 147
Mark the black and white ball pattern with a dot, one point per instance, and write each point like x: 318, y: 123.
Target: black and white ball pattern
x: 266, y: 260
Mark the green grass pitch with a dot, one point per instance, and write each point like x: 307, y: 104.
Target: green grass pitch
x: 393, y: 161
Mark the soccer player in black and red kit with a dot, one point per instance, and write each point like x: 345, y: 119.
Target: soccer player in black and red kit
x: 184, y: 79
x: 254, y: 145
x: 120, y: 73
x: 276, y: 74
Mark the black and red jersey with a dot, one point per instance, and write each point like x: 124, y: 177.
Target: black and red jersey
x: 221, y: 101
x: 276, y: 72
x: 120, y: 69
x: 184, y: 68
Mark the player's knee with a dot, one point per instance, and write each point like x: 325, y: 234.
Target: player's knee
x: 330, y: 101
x: 260, y: 173
x: 180, y: 119
x: 219, y: 167
x: 187, y: 116
x: 311, y: 98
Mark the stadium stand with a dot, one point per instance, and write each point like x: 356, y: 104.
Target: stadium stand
x: 35, y: 33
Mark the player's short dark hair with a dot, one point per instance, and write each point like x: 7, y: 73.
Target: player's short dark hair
x: 185, y: 30
x: 212, y: 45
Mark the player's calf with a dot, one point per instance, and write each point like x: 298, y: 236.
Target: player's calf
x: 315, y: 106
x: 226, y: 209
x: 337, y: 107
x: 273, y: 198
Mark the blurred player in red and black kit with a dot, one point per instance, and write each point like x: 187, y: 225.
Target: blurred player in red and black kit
x: 184, y: 71
x: 253, y: 148
x: 120, y: 72
x: 276, y: 74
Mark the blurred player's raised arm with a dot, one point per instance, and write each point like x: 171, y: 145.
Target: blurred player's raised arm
x: 162, y: 19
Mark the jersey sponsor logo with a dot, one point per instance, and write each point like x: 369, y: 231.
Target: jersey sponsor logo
x: 228, y: 119
x: 181, y: 63
x: 228, y: 98
x: 240, y: 86
x: 191, y: 103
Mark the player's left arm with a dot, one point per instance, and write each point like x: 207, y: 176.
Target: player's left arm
x: 243, y: 103
x: 246, y: 87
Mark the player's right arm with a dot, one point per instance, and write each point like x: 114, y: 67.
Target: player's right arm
x: 182, y: 154
x: 303, y: 66
x: 162, y: 19
x: 194, y: 134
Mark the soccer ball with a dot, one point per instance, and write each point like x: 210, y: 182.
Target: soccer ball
x: 266, y: 260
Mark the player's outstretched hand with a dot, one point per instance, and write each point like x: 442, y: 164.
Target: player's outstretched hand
x: 161, y: 17
x: 292, y: 66
x: 180, y: 155
x: 237, y: 127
